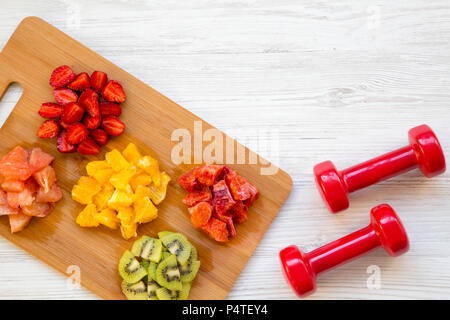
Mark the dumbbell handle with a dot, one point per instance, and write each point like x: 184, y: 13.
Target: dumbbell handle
x: 342, y: 250
x: 380, y: 168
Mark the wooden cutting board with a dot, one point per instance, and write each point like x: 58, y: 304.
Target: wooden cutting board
x: 28, y: 58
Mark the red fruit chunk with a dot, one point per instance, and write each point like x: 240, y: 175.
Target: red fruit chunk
x: 49, y: 129
x: 63, y: 124
x: 50, y: 110
x: 228, y: 219
x: 99, y: 136
x: 13, y: 186
x: 189, y: 182
x: 61, y: 76
x: 72, y: 112
x: 113, y: 92
x: 62, y: 145
x: 80, y: 83
x: 113, y: 126
x: 88, y: 146
x: 38, y: 209
x: 39, y: 159
x: 195, y: 197
x: 208, y: 174
x: 239, y: 212
x: 217, y: 230
x: 225, y: 174
x: 64, y: 96
x: 14, y: 165
x: 222, y: 199
x: 45, y: 178
x: 92, y: 122
x: 241, y: 189
x: 110, y: 109
x: 18, y: 221
x: 98, y: 80
x: 5, y: 209
x: 89, y: 100
x: 53, y: 195
x: 200, y: 214
x: 76, y: 133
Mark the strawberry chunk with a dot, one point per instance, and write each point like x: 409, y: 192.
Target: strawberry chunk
x: 100, y: 136
x: 39, y: 159
x: 53, y: 195
x: 18, y: 222
x: 98, y: 80
x: 92, y: 122
x: 110, y: 109
x: 62, y: 145
x: 208, y: 174
x: 50, y: 110
x: 80, y: 83
x: 217, y: 230
x: 200, y: 214
x: 113, y: 92
x: 88, y: 146
x: 189, y: 182
x: 61, y: 76
x: 223, y: 201
x: 89, y: 100
x: 113, y: 126
x: 76, y: 133
x: 45, y: 178
x: 49, y: 129
x: 64, y: 95
x: 195, y: 197
x: 72, y: 112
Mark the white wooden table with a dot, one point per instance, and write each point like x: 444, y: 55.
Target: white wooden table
x: 311, y: 80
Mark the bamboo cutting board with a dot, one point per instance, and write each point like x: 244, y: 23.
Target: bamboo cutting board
x: 29, y: 57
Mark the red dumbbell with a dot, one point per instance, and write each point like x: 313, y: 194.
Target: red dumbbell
x: 423, y: 151
x: 385, y: 230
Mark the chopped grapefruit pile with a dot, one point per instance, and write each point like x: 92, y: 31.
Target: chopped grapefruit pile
x: 218, y: 198
x: 86, y: 112
x: 28, y: 186
x: 121, y: 191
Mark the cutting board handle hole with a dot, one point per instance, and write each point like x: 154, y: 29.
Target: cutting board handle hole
x: 9, y: 101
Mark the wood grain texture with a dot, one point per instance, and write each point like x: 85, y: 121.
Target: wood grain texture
x: 331, y: 80
x: 150, y: 119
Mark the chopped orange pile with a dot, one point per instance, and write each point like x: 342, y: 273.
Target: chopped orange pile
x: 121, y: 191
x: 27, y: 186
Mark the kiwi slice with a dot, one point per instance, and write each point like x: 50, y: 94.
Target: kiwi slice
x: 151, y: 290
x: 147, y: 248
x: 130, y: 269
x: 166, y: 294
x: 135, y: 291
x: 189, y: 271
x: 184, y: 292
x: 166, y: 254
x: 162, y: 234
x: 145, y: 264
x: 178, y: 245
x: 168, y: 275
x: 152, y: 271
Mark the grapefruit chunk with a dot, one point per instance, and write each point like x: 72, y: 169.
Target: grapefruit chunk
x: 18, y: 221
x: 38, y: 209
x: 39, y: 159
x: 5, y: 209
x: 45, y: 178
x: 53, y: 195
x: 14, y: 165
x: 13, y: 186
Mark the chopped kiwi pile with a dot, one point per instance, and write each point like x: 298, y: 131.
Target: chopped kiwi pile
x: 159, y: 269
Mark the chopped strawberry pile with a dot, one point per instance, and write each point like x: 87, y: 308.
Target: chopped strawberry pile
x: 86, y: 112
x: 218, y: 198
x: 27, y: 186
